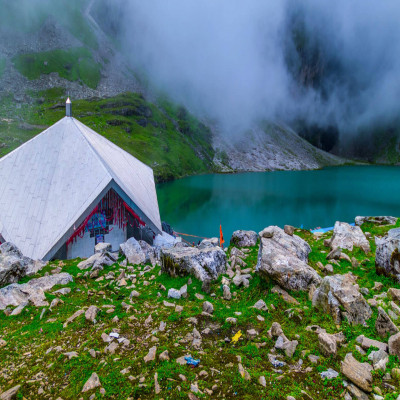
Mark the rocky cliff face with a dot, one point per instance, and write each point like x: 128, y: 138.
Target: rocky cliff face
x: 269, y: 147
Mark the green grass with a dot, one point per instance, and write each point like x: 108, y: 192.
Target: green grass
x: 75, y: 64
x: 31, y: 342
x: 145, y: 130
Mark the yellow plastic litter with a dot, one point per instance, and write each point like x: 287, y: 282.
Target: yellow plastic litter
x: 236, y: 337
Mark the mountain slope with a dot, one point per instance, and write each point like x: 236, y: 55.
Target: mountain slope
x: 50, y: 52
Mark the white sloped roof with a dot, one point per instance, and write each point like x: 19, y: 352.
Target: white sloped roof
x: 50, y: 181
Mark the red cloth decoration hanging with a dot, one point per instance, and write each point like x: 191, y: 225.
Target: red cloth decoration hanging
x: 120, y: 215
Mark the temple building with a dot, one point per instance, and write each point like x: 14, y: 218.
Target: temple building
x: 69, y: 188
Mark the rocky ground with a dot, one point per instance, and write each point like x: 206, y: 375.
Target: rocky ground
x: 285, y: 314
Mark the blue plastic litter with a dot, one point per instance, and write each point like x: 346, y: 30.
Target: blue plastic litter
x: 324, y: 230
x: 192, y: 361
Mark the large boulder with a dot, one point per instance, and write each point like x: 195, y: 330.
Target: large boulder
x: 340, y: 297
x: 359, y: 373
x: 33, y: 291
x: 387, y: 259
x: 133, y: 252
x: 165, y: 240
x: 394, y: 345
x: 14, y: 266
x: 384, y: 220
x: 211, y: 242
x: 283, y: 258
x: 244, y: 238
x: 384, y: 325
x: 346, y: 237
x: 149, y: 252
x: 205, y: 264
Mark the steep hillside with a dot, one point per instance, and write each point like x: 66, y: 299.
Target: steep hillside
x: 70, y: 48
x: 174, y: 144
x: 270, y: 147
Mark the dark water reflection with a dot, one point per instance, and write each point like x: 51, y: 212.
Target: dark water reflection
x: 198, y: 204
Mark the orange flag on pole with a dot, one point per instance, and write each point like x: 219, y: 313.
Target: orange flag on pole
x: 221, y: 237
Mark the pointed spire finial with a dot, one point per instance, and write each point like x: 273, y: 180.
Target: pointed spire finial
x: 68, y: 108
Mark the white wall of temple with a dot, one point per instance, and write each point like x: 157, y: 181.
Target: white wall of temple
x: 84, y: 247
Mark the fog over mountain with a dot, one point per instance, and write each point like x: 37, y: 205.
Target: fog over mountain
x: 323, y: 63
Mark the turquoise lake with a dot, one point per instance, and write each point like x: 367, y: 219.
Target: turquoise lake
x: 198, y: 205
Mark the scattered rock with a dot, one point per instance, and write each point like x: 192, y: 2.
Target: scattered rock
x: 358, y: 373
x: 14, y: 266
x: 63, y: 291
x: 151, y: 356
x: 98, y: 260
x: 91, y: 313
x: 260, y: 305
x: 183, y: 291
x: 111, y: 348
x: 32, y: 291
x: 384, y: 220
x: 227, y: 292
x: 92, y: 383
x: 10, y: 394
x: 212, y: 242
x: 327, y: 344
x: 346, y: 237
x: 384, y: 324
x: 394, y: 345
x: 252, y: 333
x: 284, y: 259
x: 244, y: 374
x: 339, y: 296
x: 73, y: 317
x: 71, y: 355
x: 285, y: 295
x: 103, y: 248
x: 387, y: 258
x: 289, y: 347
x: 379, y: 359
x: 133, y: 251
x: 366, y: 343
x: 174, y: 294
x: 394, y: 294
x: 334, y: 254
x: 378, y: 286
x: 208, y: 307
x: 242, y: 238
x: 357, y: 393
x: 134, y: 293
x: 164, y: 356
x: 205, y: 264
x: 329, y: 374
x: 289, y: 229
x: 157, y: 387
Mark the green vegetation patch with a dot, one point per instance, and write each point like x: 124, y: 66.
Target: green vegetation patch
x: 143, y: 129
x: 75, y: 64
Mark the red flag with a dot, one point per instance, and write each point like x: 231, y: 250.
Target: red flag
x: 221, y: 237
